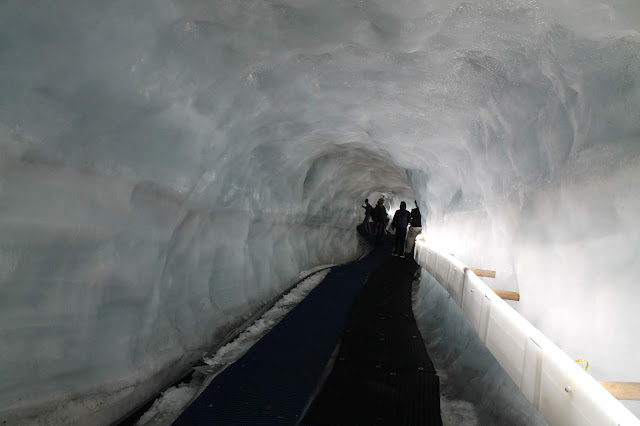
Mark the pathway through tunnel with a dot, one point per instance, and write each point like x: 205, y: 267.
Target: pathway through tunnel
x: 381, y: 374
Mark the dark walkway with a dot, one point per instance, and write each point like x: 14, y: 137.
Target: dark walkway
x: 383, y: 374
x: 274, y: 381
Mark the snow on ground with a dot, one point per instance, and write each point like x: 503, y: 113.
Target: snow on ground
x: 314, y: 270
x: 170, y: 403
x: 458, y: 413
x: 175, y: 399
x: 232, y: 351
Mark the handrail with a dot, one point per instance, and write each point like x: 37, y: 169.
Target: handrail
x: 507, y: 295
x: 554, y: 384
x: 629, y: 391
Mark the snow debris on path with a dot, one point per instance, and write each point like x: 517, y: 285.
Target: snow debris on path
x: 232, y: 351
x: 175, y: 399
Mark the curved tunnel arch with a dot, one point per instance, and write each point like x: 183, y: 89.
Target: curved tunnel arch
x: 137, y: 144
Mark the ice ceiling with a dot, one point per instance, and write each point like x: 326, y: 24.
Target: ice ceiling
x: 168, y: 166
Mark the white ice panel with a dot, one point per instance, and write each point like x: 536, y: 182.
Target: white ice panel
x: 455, y: 281
x: 506, y: 339
x: 431, y: 261
x: 421, y: 253
x: 472, y: 299
x: 485, y: 312
x: 442, y: 270
x: 548, y: 378
x: 568, y: 396
x: 531, y: 371
x: 559, y: 394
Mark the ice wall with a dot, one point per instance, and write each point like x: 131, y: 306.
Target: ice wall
x: 166, y: 167
x: 475, y: 389
x: 546, y: 191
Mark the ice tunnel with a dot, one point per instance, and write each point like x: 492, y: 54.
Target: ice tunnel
x: 166, y: 167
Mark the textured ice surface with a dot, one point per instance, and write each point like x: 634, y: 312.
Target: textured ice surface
x: 474, y: 388
x: 167, y: 167
x: 170, y: 403
x: 166, y: 409
x: 232, y: 351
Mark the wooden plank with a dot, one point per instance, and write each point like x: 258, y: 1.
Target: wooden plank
x: 628, y: 391
x: 507, y: 295
x: 484, y: 273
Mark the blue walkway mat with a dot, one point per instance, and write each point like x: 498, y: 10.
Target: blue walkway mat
x: 273, y: 382
x: 383, y: 374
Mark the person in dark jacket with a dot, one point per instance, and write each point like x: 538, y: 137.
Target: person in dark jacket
x: 400, y: 223
x: 367, y: 216
x: 380, y: 219
x: 415, y: 230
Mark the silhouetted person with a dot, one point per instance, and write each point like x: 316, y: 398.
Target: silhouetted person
x: 367, y: 215
x: 380, y: 219
x: 416, y: 228
x: 399, y: 223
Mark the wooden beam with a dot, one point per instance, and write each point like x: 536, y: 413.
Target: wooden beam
x: 484, y: 273
x: 628, y: 391
x: 507, y: 295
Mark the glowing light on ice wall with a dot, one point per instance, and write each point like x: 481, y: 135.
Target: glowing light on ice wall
x: 166, y: 167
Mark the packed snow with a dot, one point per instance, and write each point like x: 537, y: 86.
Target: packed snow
x: 168, y: 167
x: 168, y: 406
x: 174, y: 400
x: 232, y: 351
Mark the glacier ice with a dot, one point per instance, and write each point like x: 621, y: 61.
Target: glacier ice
x: 474, y: 388
x: 166, y: 168
x: 166, y: 408
x: 232, y: 351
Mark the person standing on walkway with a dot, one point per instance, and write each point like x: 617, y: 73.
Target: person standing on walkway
x: 415, y: 230
x: 380, y: 219
x: 367, y: 216
x: 399, y: 223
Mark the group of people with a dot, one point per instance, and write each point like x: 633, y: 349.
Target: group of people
x: 379, y: 217
x: 401, y: 220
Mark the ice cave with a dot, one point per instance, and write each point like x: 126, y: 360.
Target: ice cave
x: 167, y: 167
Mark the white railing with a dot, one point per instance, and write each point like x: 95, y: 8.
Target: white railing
x: 554, y: 384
